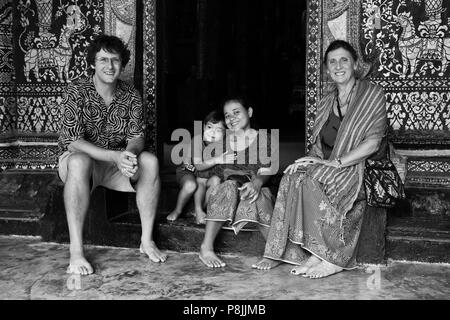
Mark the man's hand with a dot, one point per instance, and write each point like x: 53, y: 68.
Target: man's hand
x: 127, y: 163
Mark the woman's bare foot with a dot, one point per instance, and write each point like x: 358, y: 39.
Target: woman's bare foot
x: 152, y: 251
x: 173, y: 215
x: 266, y: 264
x: 322, y: 270
x: 200, y: 216
x: 209, y: 258
x: 302, y: 269
x: 79, y: 265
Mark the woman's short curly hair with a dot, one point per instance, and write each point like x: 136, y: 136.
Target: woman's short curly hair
x: 110, y: 44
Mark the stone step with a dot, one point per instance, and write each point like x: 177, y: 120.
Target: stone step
x: 184, y: 235
x: 418, y: 239
x: 113, y: 220
x: 20, y: 226
x: 122, y: 228
x: 24, y: 196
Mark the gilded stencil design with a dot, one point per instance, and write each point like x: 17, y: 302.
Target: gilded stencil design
x: 149, y: 93
x: 409, y: 44
x: 434, y: 171
x: 52, y: 39
x: 7, y: 101
x: 120, y: 20
x: 436, y: 166
x: 313, y: 70
x: 49, y: 50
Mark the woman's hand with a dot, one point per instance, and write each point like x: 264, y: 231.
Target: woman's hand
x: 306, y: 161
x: 225, y: 158
x: 250, y: 190
x: 127, y: 163
x: 302, y: 162
x: 291, y: 169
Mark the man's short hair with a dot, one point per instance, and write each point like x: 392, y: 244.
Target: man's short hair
x: 110, y: 44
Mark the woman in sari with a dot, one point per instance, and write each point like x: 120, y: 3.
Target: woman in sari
x: 242, y: 197
x: 321, y: 200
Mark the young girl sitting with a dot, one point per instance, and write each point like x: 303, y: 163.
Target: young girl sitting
x: 197, y: 178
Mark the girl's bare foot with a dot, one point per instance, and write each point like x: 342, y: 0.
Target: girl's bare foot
x: 302, y: 269
x: 200, y: 216
x: 173, y: 215
x: 266, y: 264
x: 209, y: 258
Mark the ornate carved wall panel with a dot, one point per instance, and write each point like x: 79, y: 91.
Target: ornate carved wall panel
x: 43, y: 48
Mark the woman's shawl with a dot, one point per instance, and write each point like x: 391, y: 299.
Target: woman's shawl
x: 365, y: 119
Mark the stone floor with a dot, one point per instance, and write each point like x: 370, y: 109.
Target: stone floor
x: 31, y: 269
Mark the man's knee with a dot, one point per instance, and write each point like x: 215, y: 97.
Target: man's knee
x: 148, y: 161
x: 79, y: 163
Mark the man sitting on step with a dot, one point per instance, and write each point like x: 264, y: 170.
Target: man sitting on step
x: 102, y: 143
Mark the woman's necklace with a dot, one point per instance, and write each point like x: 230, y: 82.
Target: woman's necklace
x: 347, y: 101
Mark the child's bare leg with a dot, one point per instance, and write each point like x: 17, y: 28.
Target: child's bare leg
x: 188, y: 187
x: 199, y: 198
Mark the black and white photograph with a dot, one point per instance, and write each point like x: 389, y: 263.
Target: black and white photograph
x: 224, y: 155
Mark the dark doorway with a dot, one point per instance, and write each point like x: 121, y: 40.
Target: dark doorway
x: 211, y: 49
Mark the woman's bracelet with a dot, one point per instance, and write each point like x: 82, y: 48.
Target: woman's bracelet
x: 339, y: 162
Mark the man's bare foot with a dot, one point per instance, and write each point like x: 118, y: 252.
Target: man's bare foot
x: 200, y: 216
x: 303, y: 268
x: 266, y: 264
x: 79, y: 265
x: 173, y: 215
x: 209, y: 258
x: 152, y: 251
x: 322, y: 270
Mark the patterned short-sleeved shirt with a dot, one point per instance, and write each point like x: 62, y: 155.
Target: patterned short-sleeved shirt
x: 85, y: 115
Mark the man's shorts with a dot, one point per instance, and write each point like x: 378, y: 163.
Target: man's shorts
x: 104, y: 174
